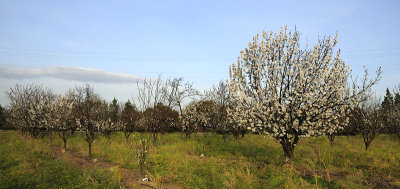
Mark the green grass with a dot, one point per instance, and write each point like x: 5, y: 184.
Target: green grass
x: 254, y: 161
x: 27, y: 163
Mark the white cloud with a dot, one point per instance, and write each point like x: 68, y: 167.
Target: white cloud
x: 68, y: 73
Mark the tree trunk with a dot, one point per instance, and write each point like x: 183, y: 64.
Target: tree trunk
x: 366, y: 145
x: 398, y: 136
x: 50, y: 143
x: 49, y: 138
x: 127, y: 134
x: 65, y: 144
x: 107, y: 135
x: 235, y: 135
x: 90, y: 150
x: 331, y: 139
x: 180, y: 108
x: 367, y: 140
x: 127, y: 138
x: 288, y: 154
x: 287, y: 159
x: 163, y: 132
x: 288, y: 149
x: 188, y: 135
x: 154, y: 137
x: 204, y: 132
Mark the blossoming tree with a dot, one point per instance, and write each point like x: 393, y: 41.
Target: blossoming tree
x: 62, y: 117
x: 367, y: 118
x: 200, y: 115
x: 289, y: 93
x: 30, y: 108
x: 110, y: 120
x: 189, y: 120
x: 88, y: 112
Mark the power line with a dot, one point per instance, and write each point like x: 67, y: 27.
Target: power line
x: 109, y: 53
x: 94, y: 52
x: 133, y: 57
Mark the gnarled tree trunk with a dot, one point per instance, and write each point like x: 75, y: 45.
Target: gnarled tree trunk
x: 288, y: 146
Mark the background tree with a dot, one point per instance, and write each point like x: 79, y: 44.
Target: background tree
x: 105, y: 125
x: 2, y: 118
x: 388, y: 101
x: 129, y: 119
x: 40, y: 111
x: 88, y: 112
x: 387, y: 107
x: 141, y: 125
x: 367, y: 118
x: 30, y: 108
x: 220, y: 96
x: 397, y: 97
x: 236, y: 129
x: 111, y: 117
x: 62, y: 117
x: 166, y: 117
x: 200, y: 115
x: 207, y: 111
x: 175, y: 91
x: 288, y: 92
x: 390, y: 112
x: 150, y: 93
x: 151, y: 123
x: 190, y: 120
x: 159, y: 119
x: 19, y: 116
x: 394, y: 117
x: 331, y: 133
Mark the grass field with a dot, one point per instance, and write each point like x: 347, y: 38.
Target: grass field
x: 254, y: 161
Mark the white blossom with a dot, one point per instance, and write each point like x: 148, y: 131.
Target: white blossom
x: 287, y: 92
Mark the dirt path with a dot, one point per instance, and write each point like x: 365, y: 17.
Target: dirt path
x: 130, y: 178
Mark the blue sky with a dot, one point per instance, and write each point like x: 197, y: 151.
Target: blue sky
x: 197, y: 40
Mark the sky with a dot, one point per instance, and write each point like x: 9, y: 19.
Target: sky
x: 113, y: 44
